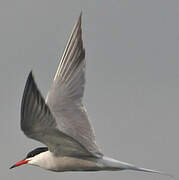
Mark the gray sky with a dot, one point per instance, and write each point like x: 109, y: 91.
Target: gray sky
x: 132, y: 90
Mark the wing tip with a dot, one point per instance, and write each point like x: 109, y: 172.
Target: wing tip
x: 80, y: 16
x: 30, y: 74
x: 78, y: 24
x: 30, y: 78
x: 29, y: 83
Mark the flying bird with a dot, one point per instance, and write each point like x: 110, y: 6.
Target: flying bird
x: 61, y: 122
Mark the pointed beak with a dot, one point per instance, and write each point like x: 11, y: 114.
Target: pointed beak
x: 24, y: 161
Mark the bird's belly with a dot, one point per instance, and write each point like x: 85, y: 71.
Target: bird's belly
x: 70, y: 164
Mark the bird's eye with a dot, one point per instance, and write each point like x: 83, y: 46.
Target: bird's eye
x: 30, y: 154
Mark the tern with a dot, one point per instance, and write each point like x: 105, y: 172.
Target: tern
x: 60, y: 121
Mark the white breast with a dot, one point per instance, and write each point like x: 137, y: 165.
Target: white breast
x: 48, y: 161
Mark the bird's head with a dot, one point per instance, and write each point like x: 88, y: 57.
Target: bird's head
x: 30, y: 157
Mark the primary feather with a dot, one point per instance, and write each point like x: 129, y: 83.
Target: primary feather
x: 62, y: 122
x: 65, y: 96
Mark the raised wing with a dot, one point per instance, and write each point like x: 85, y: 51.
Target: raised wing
x: 38, y: 123
x: 65, y: 96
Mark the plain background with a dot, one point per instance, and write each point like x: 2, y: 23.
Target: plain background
x: 132, y: 90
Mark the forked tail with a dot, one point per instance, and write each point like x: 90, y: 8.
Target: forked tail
x: 114, y: 165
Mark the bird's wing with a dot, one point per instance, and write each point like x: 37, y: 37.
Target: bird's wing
x: 37, y: 122
x: 65, y: 96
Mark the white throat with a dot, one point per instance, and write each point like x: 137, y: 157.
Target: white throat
x: 44, y: 160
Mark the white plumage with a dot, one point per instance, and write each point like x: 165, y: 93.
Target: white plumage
x: 61, y: 122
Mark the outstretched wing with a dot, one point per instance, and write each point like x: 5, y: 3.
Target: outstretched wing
x: 38, y: 123
x: 65, y: 96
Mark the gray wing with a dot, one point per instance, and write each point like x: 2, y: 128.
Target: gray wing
x: 38, y: 123
x: 65, y: 96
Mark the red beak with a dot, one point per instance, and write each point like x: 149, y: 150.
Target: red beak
x: 19, y: 163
